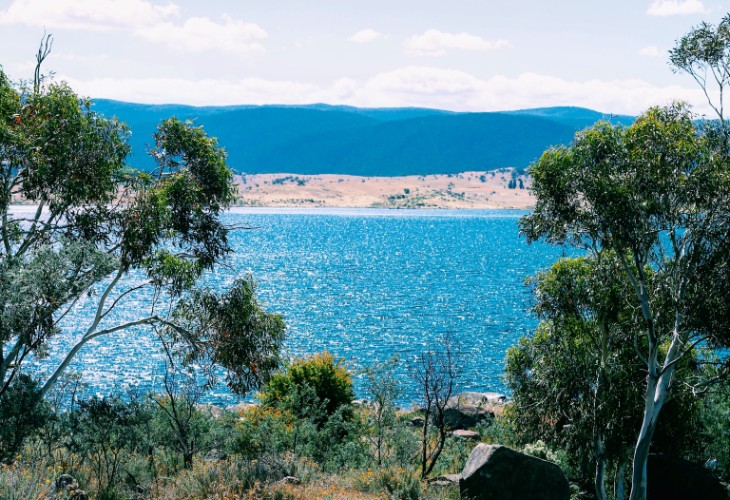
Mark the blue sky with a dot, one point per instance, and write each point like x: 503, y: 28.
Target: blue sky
x: 466, y: 55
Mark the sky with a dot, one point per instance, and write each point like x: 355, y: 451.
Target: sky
x: 462, y: 55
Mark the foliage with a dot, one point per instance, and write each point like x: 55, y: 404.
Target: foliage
x: 713, y: 438
x: 241, y: 337
x: 576, y: 382
x: 102, y: 431
x: 264, y: 433
x: 179, y: 424
x: 22, y: 412
x: 104, y: 231
x: 393, y: 482
x: 130, y: 438
x: 306, y: 411
x: 319, y: 379
x: 656, y: 196
x: 704, y: 54
x: 392, y: 442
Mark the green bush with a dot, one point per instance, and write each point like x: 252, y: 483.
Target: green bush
x: 714, y: 436
x: 263, y: 432
x: 103, y: 431
x: 331, y: 382
x: 22, y: 412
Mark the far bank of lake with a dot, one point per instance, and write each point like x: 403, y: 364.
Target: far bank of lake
x: 496, y: 189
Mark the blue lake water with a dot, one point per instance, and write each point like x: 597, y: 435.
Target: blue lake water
x: 363, y: 284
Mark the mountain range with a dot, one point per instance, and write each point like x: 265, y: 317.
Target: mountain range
x: 324, y: 139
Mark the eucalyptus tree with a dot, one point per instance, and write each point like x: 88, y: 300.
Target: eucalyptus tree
x: 657, y: 196
x: 577, y: 382
x: 704, y: 54
x: 102, y: 232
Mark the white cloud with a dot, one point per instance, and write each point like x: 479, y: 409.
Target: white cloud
x: 93, y: 15
x: 676, y: 7
x: 365, y: 36
x: 195, y: 92
x: 435, y: 43
x: 408, y: 86
x: 141, y: 18
x: 199, y: 34
x: 653, y: 51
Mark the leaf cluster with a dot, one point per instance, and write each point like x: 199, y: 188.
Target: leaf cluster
x: 231, y: 330
x: 657, y: 194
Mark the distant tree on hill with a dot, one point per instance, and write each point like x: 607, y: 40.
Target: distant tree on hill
x: 704, y: 54
x: 103, y: 232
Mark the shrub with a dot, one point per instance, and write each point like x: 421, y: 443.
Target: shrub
x: 102, y: 430
x: 22, y: 412
x: 384, y: 430
x: 331, y: 382
x: 714, y: 436
x: 263, y: 432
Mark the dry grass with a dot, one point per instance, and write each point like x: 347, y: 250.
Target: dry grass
x: 464, y: 190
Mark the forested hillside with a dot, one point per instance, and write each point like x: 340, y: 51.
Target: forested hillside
x: 322, y: 139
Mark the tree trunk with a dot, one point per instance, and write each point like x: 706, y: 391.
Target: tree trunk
x: 655, y: 398
x: 643, y: 443
x: 424, y: 440
x: 600, y: 479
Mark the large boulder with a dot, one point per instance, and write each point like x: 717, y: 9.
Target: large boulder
x: 240, y: 408
x: 211, y: 409
x: 674, y: 477
x: 500, y: 473
x: 464, y: 434
x: 469, y: 408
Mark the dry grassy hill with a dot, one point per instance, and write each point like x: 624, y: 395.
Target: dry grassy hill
x: 464, y: 190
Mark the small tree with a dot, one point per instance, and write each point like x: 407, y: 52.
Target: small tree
x: 181, y: 424
x: 704, y: 54
x: 382, y: 385
x: 102, y: 431
x: 655, y: 194
x: 435, y: 372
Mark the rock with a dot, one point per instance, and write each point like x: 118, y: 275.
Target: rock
x: 240, y: 408
x: 463, y: 434
x: 500, y: 473
x: 289, y: 480
x: 212, y: 410
x: 66, y: 482
x: 469, y: 408
x: 674, y: 477
x: 215, y: 455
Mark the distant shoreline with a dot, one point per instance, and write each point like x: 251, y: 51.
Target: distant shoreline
x: 489, y: 190
x: 467, y: 190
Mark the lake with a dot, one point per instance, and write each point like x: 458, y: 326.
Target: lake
x: 363, y: 284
